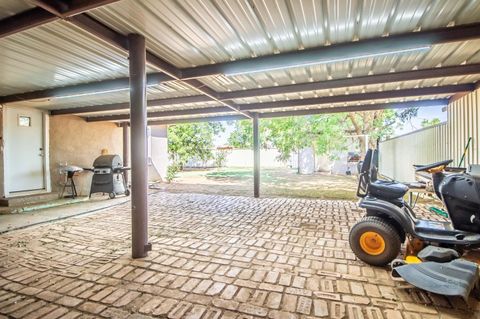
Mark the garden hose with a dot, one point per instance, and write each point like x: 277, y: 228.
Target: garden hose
x: 438, y: 211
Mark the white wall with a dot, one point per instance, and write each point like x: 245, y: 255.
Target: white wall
x: 243, y: 158
x: 158, y: 152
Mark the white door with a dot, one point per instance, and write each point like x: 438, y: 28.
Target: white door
x: 24, y: 149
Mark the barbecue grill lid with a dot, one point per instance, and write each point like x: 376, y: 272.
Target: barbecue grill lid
x: 108, y: 161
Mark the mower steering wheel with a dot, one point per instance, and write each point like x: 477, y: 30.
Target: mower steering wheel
x: 426, y: 168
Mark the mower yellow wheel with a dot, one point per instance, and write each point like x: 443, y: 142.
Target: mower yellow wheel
x: 375, y: 240
x: 372, y: 243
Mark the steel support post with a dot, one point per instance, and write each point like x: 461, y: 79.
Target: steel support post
x: 126, y: 149
x: 256, y: 157
x: 138, y: 131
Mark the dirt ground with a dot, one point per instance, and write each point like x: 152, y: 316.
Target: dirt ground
x: 274, y: 183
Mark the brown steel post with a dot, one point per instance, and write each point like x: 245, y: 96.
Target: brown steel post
x: 138, y: 131
x: 126, y: 149
x: 256, y: 157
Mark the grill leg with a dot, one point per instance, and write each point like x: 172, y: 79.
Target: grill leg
x: 69, y: 183
x: 63, y: 189
x: 74, y: 189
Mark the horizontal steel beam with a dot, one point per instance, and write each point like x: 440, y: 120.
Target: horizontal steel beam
x: 159, y: 114
x: 447, y: 89
x: 38, y: 16
x: 126, y: 105
x: 198, y: 119
x: 340, y: 51
x: 79, y: 6
x: 327, y: 110
x: 119, y: 40
x: 100, y: 30
x: 292, y: 88
x: 390, y: 77
x: 357, y: 108
x: 81, y: 89
x: 24, y: 21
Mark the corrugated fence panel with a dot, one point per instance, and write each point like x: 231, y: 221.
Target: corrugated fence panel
x: 436, y: 143
x: 463, y: 122
x: 398, y: 155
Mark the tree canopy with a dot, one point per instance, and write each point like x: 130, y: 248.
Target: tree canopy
x: 291, y: 134
x: 427, y: 123
x: 324, y: 133
x: 192, y: 140
x: 242, y: 135
x: 378, y: 124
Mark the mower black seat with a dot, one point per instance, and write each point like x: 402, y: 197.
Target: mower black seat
x: 387, y: 189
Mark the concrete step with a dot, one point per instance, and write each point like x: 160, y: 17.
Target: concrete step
x: 42, y: 205
x: 26, y: 200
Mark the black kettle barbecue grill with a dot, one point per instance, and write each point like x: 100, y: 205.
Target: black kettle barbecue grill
x: 109, y: 176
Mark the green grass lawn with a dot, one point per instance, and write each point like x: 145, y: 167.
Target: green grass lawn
x: 275, y: 182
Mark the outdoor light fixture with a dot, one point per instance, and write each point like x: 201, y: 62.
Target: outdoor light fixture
x: 307, y: 58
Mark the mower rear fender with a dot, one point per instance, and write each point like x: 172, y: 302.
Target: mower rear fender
x: 381, y: 208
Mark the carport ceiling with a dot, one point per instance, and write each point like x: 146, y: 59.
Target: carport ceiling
x: 227, y: 59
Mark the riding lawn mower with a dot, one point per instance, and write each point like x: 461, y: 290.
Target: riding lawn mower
x: 438, y: 254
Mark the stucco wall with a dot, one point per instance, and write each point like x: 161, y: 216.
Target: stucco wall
x: 2, y: 179
x: 76, y: 142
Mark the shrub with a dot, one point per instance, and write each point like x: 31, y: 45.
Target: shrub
x: 220, y: 158
x: 172, y: 171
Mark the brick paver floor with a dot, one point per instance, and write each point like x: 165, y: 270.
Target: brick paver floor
x: 213, y: 257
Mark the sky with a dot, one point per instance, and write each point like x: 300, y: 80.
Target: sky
x: 428, y: 113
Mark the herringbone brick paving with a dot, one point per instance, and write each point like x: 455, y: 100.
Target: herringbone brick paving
x: 213, y: 257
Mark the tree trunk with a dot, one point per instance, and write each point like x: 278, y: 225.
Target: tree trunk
x: 359, y: 132
x: 298, y: 162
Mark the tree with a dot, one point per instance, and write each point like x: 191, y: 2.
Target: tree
x: 378, y: 124
x: 192, y: 140
x: 324, y: 133
x: 242, y: 135
x: 427, y: 123
x: 289, y: 135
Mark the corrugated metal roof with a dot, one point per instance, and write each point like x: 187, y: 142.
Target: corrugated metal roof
x: 162, y: 91
x: 172, y: 107
x: 192, y: 116
x: 439, y: 55
x: 176, y: 89
x: 56, y: 54
x: 11, y: 7
x: 312, y: 107
x: 376, y: 101
x: 190, y: 33
x: 363, y: 89
x: 186, y: 117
